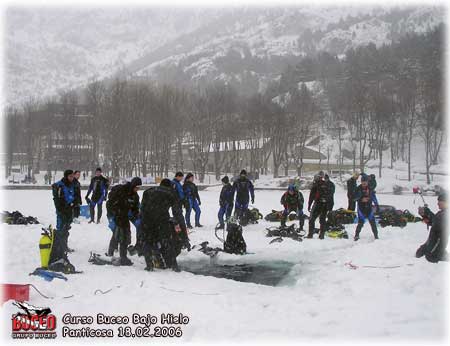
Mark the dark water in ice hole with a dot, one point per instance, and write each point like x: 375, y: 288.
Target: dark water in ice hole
x: 264, y: 273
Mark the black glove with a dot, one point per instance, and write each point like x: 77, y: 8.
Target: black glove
x: 187, y: 245
x: 253, y: 201
x: 88, y: 201
x: 199, y: 202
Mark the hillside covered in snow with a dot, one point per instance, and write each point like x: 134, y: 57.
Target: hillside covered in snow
x: 49, y: 50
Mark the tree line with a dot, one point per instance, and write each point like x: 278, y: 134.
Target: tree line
x: 372, y: 100
x: 383, y: 97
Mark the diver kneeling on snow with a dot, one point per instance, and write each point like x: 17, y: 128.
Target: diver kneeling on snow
x: 64, y: 199
x: 163, y: 237
x: 122, y: 201
x: 292, y: 200
x: 434, y: 249
x: 365, y: 196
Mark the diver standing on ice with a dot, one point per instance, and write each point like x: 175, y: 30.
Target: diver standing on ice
x: 123, y: 201
x: 365, y: 196
x: 99, y: 188
x: 320, y: 195
x: 64, y: 198
x: 243, y: 187
x: 163, y: 237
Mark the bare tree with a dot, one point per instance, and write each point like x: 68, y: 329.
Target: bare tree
x: 200, y: 134
x: 408, y: 104
x: 304, y: 113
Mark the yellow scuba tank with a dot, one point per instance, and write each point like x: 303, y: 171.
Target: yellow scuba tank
x: 45, y: 246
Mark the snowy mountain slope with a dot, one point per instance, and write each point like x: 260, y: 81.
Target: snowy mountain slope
x: 251, y: 51
x: 53, y: 49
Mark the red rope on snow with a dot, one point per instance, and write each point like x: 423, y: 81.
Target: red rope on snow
x: 350, y: 265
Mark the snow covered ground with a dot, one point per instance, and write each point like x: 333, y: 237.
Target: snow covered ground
x: 321, y: 299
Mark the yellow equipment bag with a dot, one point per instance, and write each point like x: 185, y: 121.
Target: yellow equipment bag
x: 45, y: 246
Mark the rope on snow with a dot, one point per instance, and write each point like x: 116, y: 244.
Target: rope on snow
x: 102, y: 292
x: 352, y: 266
x: 40, y: 293
x: 46, y: 297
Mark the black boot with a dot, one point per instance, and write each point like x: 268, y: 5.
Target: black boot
x: 92, y: 213
x: 149, y: 262
x: 125, y: 261
x: 358, y: 231
x: 373, y: 225
x: 174, y: 266
x: 112, y: 246
x: 322, y: 231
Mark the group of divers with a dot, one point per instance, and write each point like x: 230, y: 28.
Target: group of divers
x: 162, y: 236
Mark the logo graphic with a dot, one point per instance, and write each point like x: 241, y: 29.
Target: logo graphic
x: 32, y: 322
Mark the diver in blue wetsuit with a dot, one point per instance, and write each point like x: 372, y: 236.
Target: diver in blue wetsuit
x: 64, y: 198
x: 192, y: 200
x: 226, y: 200
x: 99, y: 188
x: 365, y: 197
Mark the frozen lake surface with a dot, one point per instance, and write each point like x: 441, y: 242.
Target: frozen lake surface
x: 288, y: 290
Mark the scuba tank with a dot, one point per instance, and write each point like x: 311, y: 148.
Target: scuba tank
x: 45, y: 246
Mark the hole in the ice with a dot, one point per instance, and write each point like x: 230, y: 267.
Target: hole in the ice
x: 274, y: 273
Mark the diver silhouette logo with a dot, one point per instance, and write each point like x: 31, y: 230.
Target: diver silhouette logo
x: 33, y: 322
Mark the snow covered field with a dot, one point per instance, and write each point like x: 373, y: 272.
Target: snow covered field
x: 320, y: 299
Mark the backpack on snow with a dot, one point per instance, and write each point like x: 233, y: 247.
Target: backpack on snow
x: 340, y: 217
x: 392, y: 218
x: 253, y: 215
x: 273, y: 216
x: 276, y: 215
